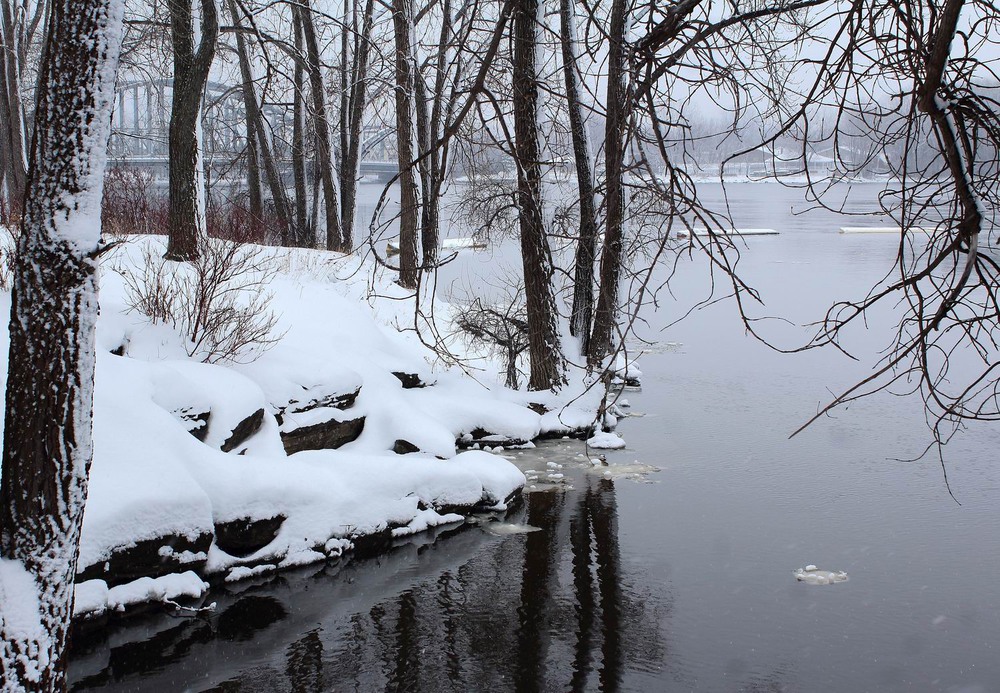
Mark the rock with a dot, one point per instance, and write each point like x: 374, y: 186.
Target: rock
x: 538, y: 408
x: 480, y: 436
x: 403, y: 447
x: 339, y: 401
x: 195, y: 421
x: 150, y: 558
x: 328, y: 435
x: 245, y: 536
x: 409, y: 380
x: 244, y: 429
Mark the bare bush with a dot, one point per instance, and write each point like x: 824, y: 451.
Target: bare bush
x: 501, y: 327
x: 126, y: 207
x: 218, y: 302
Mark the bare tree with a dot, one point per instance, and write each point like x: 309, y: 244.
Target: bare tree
x: 402, y: 22
x: 545, y: 351
x: 12, y: 126
x: 191, y: 66
x: 581, y: 316
x: 337, y: 237
x: 354, y: 92
x: 48, y: 419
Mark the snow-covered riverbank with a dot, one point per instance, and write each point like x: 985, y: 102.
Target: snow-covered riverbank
x: 225, y: 470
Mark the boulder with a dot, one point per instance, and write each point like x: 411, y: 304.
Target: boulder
x: 403, y: 447
x: 327, y: 435
x: 150, y: 558
x: 246, y: 535
x: 341, y: 401
x: 409, y: 380
x: 243, y: 430
x: 482, y: 437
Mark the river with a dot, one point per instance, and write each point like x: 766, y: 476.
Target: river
x: 676, y: 579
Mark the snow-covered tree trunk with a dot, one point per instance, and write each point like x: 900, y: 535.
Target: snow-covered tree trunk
x: 47, y: 439
x: 544, y: 349
x: 187, y: 174
x: 402, y: 22
x: 586, y: 245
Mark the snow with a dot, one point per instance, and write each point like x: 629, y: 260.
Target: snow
x: 23, y: 638
x: 811, y: 575
x: 606, y: 441
x: 147, y: 589
x: 151, y: 479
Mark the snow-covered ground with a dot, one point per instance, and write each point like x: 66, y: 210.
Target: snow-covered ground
x: 168, y: 507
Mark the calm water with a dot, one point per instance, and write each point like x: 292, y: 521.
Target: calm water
x: 679, y: 579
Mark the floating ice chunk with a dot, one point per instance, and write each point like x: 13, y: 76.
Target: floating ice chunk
x: 812, y: 575
x: 505, y: 528
x: 606, y: 441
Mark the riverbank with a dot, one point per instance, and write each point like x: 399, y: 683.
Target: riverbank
x: 335, y: 430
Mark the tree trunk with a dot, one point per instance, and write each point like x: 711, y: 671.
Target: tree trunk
x: 337, y: 238
x: 187, y: 173
x: 351, y: 152
x: 299, y: 233
x: 545, y: 354
x: 258, y: 133
x: 253, y: 174
x: 49, y: 405
x: 402, y: 22
x: 586, y: 246
x: 614, y: 196
x: 429, y: 230
x: 11, y: 111
x: 431, y: 218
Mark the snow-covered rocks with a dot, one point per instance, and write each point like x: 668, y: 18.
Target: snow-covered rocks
x: 94, y: 597
x: 340, y: 437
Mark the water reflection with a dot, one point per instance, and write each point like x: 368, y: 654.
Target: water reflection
x: 548, y: 610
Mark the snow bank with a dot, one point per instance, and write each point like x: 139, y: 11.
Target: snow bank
x: 162, y: 488
x: 164, y: 491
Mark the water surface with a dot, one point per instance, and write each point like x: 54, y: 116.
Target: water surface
x: 679, y: 579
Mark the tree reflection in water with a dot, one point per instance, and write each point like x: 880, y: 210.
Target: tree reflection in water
x: 547, y: 610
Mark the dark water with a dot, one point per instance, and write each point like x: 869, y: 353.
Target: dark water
x: 679, y: 579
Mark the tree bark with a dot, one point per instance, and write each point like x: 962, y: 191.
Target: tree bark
x: 337, y: 238
x: 582, y: 311
x: 49, y: 403
x: 402, y: 22
x: 257, y: 133
x: 351, y: 137
x: 428, y: 223
x: 544, y: 350
x: 299, y: 235
x: 191, y: 65
x: 11, y: 111
x: 614, y: 197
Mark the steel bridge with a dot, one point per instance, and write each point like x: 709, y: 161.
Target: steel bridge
x: 141, y: 121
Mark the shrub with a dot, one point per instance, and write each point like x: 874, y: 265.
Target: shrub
x: 219, y: 302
